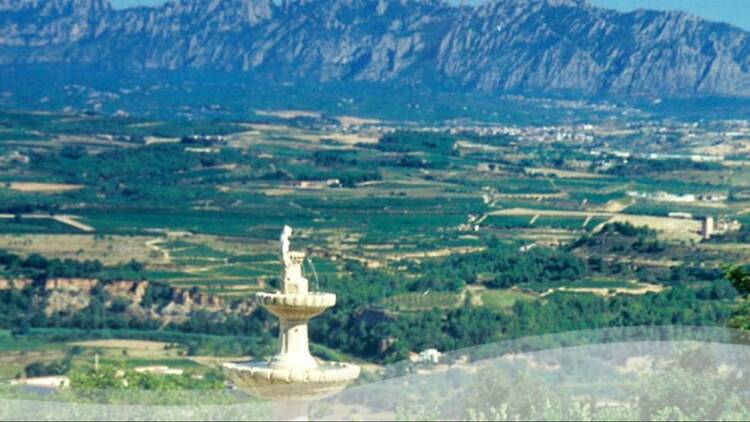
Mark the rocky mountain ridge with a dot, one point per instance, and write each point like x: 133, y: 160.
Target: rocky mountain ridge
x: 518, y: 46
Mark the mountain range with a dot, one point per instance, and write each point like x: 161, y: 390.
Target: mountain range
x: 503, y: 46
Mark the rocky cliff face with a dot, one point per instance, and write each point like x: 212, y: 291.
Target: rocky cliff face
x: 69, y: 295
x: 538, y: 46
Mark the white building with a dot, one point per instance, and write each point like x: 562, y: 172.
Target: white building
x: 430, y: 356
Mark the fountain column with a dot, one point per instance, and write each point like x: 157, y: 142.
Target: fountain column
x: 294, y: 315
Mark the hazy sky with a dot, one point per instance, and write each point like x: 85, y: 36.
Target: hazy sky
x: 736, y: 12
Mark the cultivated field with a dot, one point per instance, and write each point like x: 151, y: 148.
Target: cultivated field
x: 110, y: 249
x: 43, y: 187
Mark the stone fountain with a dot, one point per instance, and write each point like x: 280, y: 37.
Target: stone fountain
x: 292, y: 374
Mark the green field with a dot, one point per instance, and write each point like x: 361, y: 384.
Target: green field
x: 9, y: 343
x: 551, y: 222
x: 504, y: 299
x: 414, y: 302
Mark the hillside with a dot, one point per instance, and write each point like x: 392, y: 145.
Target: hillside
x: 517, y: 46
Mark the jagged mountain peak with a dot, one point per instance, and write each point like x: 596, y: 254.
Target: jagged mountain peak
x: 56, y: 6
x: 537, y: 46
x: 551, y: 3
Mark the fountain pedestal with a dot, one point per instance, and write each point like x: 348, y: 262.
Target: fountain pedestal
x: 292, y: 374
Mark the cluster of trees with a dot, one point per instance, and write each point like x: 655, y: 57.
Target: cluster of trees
x: 413, y: 141
x: 622, y: 237
x: 329, y: 164
x: 18, y: 308
x: 132, y: 167
x: 378, y: 335
x: 109, y: 377
x: 639, y: 167
x: 39, y: 267
x: 407, y: 141
x: 740, y: 278
x: 41, y: 369
x: 698, y: 296
x: 335, y: 157
x: 627, y: 229
x: 499, y: 266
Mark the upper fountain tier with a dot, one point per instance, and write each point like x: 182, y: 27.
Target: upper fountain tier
x: 296, y: 306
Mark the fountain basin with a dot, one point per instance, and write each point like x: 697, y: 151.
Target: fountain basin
x: 296, y: 306
x: 263, y: 380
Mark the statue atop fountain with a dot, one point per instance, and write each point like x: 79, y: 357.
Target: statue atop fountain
x: 292, y: 280
x: 293, y: 373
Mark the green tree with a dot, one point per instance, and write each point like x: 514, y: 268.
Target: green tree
x: 740, y: 278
